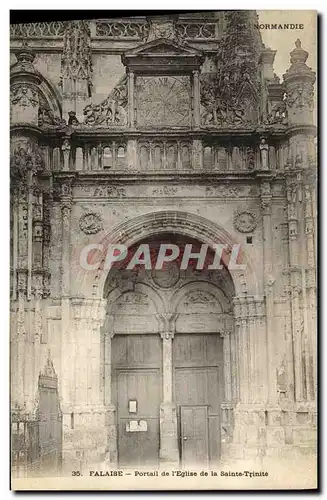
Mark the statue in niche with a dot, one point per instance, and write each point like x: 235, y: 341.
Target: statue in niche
x: 264, y: 154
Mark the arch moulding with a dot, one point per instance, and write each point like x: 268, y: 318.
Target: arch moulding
x: 174, y: 222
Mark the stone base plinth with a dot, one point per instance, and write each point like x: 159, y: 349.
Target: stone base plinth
x: 169, y: 454
x: 85, y: 438
x: 264, y: 434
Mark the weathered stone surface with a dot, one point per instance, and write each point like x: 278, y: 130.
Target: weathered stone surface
x: 206, y: 153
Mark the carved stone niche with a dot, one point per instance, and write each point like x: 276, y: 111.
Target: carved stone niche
x: 165, y: 75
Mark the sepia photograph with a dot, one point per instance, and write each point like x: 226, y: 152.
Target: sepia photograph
x: 163, y: 250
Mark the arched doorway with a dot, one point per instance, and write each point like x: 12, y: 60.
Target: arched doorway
x: 173, y: 377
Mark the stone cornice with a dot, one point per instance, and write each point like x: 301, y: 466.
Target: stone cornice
x: 301, y: 129
x: 88, y: 134
x: 211, y: 178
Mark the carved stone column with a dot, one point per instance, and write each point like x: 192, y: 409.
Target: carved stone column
x: 268, y: 287
x: 227, y: 406
x: 66, y: 204
x: 111, y: 451
x: 226, y: 336
x: 196, y: 99
x: 168, y: 416
x: 197, y: 154
x: 85, y: 407
x: 295, y: 277
x: 25, y: 163
x: 241, y: 333
x: 249, y: 410
x: 299, y: 85
x: 131, y: 104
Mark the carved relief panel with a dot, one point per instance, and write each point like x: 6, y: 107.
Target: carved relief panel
x: 163, y: 101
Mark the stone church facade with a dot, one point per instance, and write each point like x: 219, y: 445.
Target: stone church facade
x: 169, y: 129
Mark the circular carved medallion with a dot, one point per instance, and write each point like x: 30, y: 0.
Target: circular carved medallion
x: 90, y: 223
x: 245, y: 222
x: 166, y: 277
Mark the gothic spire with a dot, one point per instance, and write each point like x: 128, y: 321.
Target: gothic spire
x: 240, y: 48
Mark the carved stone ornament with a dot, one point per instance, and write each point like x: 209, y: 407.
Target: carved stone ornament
x: 24, y: 95
x: 23, y: 160
x: 48, y: 370
x: 76, y: 62
x: 164, y: 27
x: 163, y: 100
x: 278, y: 113
x: 245, y: 222
x: 301, y: 96
x: 47, y: 119
x: 111, y: 111
x: 90, y: 223
x: 229, y: 97
x: 166, y: 277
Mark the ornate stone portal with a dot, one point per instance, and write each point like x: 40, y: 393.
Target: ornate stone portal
x: 192, y: 138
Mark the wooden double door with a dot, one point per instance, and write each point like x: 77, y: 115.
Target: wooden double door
x: 197, y: 392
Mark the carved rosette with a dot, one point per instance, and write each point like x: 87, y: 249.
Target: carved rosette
x: 167, y: 277
x: 91, y: 223
x: 245, y: 221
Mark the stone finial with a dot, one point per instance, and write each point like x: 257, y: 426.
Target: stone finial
x: 48, y: 370
x: 24, y: 65
x: 298, y: 60
x: 25, y: 54
x: 298, y: 55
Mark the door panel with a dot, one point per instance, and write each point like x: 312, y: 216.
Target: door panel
x: 198, y: 381
x: 138, y: 447
x: 197, y: 386
x: 194, y: 436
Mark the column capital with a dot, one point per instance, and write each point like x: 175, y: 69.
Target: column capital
x: 224, y: 333
x: 166, y: 325
x: 90, y: 309
x: 167, y: 335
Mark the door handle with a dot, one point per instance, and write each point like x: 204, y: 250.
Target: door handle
x: 185, y: 438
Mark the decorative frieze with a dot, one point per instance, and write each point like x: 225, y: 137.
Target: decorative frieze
x: 197, y: 31
x: 37, y: 30
x: 135, y: 30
